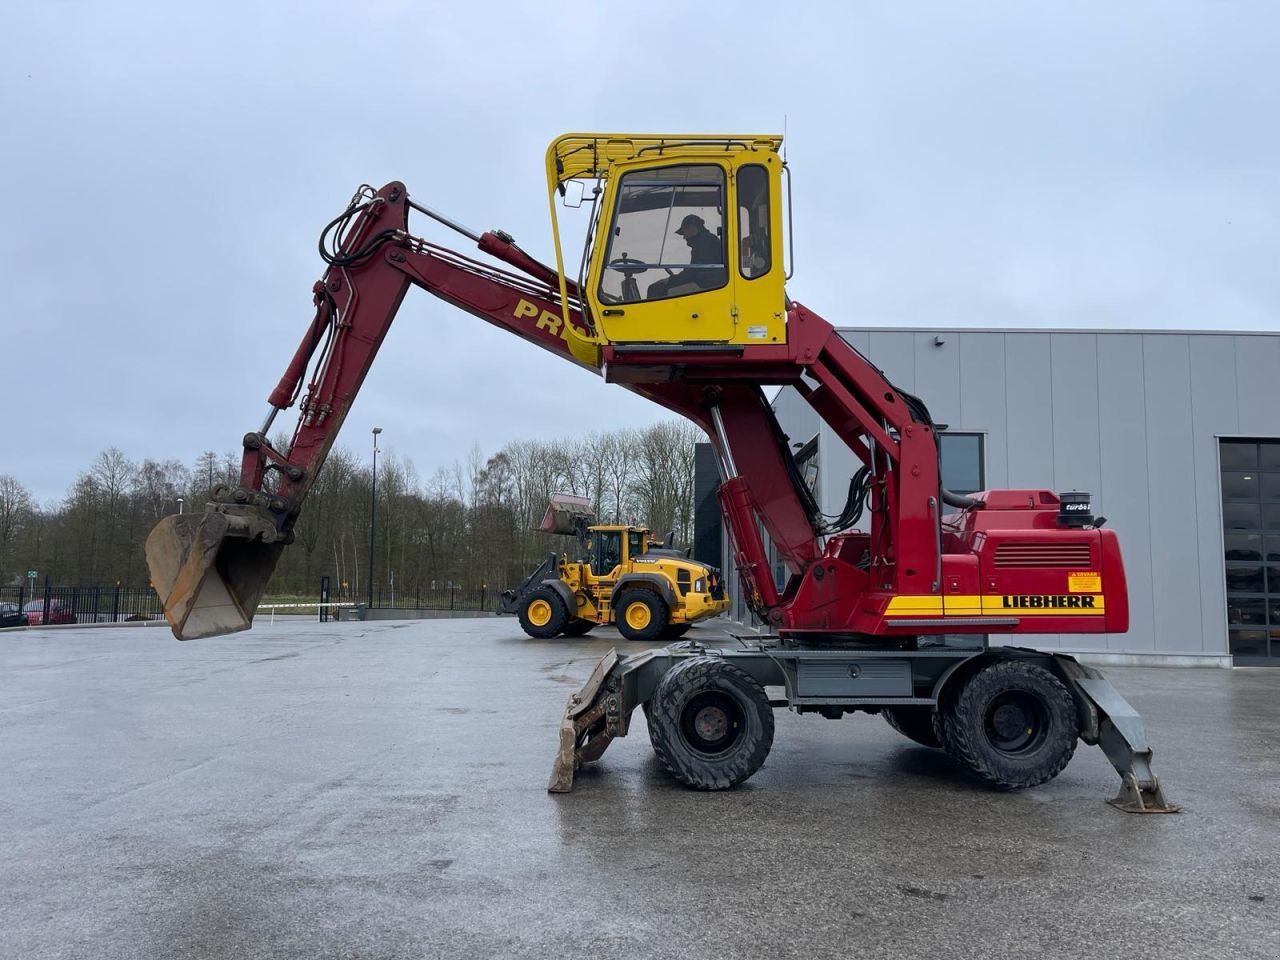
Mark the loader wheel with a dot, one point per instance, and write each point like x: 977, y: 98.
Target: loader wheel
x: 578, y: 628
x: 543, y: 614
x: 1014, y: 725
x: 710, y: 724
x: 914, y: 723
x: 642, y: 616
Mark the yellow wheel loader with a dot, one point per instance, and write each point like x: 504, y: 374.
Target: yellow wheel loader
x: 648, y: 589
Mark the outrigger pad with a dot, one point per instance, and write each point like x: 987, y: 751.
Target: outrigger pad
x: 1136, y: 798
x: 210, y: 570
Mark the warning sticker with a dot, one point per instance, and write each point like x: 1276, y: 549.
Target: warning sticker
x: 1084, y: 581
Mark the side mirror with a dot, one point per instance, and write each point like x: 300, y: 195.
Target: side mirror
x: 572, y: 192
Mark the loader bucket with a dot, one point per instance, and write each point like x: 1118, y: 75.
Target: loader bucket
x: 210, y: 570
x: 567, y: 514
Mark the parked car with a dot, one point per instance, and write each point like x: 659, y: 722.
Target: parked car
x: 11, y: 616
x: 59, y: 612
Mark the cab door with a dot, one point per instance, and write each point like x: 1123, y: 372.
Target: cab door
x: 606, y: 564
x: 662, y: 268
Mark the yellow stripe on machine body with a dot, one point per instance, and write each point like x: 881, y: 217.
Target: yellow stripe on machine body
x: 1019, y: 605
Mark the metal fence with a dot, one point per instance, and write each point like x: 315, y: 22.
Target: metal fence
x: 50, y: 604
x: 53, y: 604
x: 446, y: 597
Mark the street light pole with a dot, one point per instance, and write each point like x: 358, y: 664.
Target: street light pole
x: 179, y: 506
x: 373, y: 507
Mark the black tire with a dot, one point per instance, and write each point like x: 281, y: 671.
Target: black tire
x: 1014, y: 725
x: 648, y: 618
x: 914, y: 723
x: 578, y: 627
x: 941, y: 719
x: 542, y: 614
x: 675, y: 631
x: 710, y: 724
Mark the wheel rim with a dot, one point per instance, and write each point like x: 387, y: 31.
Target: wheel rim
x: 712, y: 722
x: 539, y: 613
x: 638, y: 616
x: 1016, y: 723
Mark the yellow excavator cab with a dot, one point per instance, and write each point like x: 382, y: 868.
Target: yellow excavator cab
x: 686, y: 239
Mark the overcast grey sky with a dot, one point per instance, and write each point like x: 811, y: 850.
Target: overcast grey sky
x: 167, y: 168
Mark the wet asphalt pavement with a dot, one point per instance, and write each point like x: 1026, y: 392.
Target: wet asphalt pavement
x: 377, y: 791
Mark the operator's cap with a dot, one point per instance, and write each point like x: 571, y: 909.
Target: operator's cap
x: 692, y: 220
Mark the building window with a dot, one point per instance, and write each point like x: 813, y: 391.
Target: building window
x: 1250, y: 473
x: 962, y: 462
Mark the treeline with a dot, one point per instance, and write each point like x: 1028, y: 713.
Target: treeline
x: 464, y: 527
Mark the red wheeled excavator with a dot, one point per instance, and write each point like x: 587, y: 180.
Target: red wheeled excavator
x: 679, y: 296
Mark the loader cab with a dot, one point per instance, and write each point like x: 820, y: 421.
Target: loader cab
x: 684, y: 236
x: 613, y: 547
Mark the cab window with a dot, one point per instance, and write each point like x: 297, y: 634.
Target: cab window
x: 635, y: 545
x: 667, y: 236
x: 608, y: 551
x: 755, y: 252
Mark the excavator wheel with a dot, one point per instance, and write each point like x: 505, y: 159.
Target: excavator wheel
x: 941, y: 718
x: 578, y: 628
x: 1013, y: 724
x: 710, y: 723
x: 642, y: 617
x: 543, y: 614
x: 914, y: 723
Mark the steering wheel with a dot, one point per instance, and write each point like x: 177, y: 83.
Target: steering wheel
x: 624, y: 266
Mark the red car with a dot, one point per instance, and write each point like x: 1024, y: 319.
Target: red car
x: 59, y: 612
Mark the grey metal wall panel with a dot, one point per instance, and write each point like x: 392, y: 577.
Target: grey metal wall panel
x: 860, y: 340
x: 894, y: 353
x: 937, y: 375
x: 1028, y: 374
x: 1123, y: 488
x: 1257, y: 376
x: 982, y: 399
x: 1077, y: 454
x: 1171, y: 492
x: 837, y: 464
x: 1074, y: 386
x: 1213, y: 412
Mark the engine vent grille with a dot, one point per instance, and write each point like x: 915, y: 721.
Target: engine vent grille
x: 1077, y: 555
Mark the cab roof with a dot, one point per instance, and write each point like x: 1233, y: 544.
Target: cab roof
x: 592, y: 154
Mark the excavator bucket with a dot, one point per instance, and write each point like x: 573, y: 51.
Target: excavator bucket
x: 210, y: 569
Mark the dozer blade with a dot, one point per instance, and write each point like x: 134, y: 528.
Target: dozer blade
x: 584, y: 733
x: 210, y: 569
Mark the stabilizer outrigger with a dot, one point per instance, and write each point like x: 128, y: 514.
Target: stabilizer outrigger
x: 708, y: 735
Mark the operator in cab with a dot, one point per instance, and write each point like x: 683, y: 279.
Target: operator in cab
x: 704, y: 248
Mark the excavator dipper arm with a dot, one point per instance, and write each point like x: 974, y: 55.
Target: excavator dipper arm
x: 210, y: 569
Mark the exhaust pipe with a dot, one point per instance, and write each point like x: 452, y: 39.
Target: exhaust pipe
x: 210, y: 569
